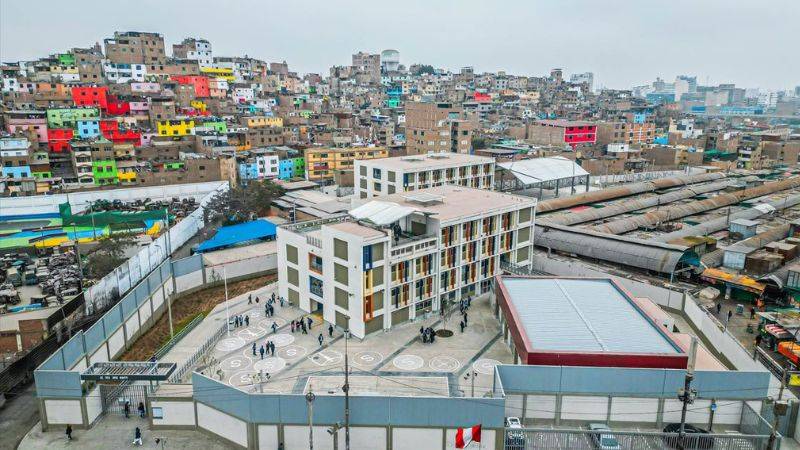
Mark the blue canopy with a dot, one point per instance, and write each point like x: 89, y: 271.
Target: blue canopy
x: 236, y: 234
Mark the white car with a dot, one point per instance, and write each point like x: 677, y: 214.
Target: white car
x: 602, y: 437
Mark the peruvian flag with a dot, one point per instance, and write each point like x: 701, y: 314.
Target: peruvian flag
x: 466, y: 436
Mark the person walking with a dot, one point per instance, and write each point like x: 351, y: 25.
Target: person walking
x: 273, y: 297
x: 272, y: 347
x: 141, y: 410
x: 303, y: 327
x: 330, y: 330
x: 466, y: 322
x: 433, y: 336
x: 462, y: 325
x: 249, y: 299
x: 127, y: 409
x: 752, y: 312
x: 274, y: 327
x: 69, y: 432
x: 309, y: 322
x: 254, y: 349
x: 247, y: 320
x: 719, y: 307
x: 319, y: 338
x: 292, y: 326
x: 137, y: 437
x: 262, y: 352
x: 281, y: 299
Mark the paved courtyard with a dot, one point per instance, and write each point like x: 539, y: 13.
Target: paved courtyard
x: 391, y: 362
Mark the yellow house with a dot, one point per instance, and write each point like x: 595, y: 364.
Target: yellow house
x: 198, y: 105
x: 219, y: 72
x: 321, y: 163
x: 175, y: 127
x: 263, y: 121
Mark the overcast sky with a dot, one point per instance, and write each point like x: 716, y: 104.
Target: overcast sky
x: 625, y: 42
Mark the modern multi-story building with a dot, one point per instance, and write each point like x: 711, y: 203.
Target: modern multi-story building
x: 135, y: 47
x: 409, y: 173
x: 322, y: 163
x: 399, y: 257
x: 631, y: 133
x: 437, y: 127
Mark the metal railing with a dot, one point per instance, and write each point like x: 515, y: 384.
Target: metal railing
x: 192, y: 361
x: 175, y: 339
x: 530, y: 438
x: 517, y: 269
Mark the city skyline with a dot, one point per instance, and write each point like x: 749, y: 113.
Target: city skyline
x: 623, y: 49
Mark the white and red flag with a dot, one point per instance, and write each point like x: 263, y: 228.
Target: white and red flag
x: 466, y: 436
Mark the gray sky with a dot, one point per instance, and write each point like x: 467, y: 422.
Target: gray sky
x: 624, y: 42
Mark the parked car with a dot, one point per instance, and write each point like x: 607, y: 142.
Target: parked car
x: 695, y: 437
x: 515, y: 437
x: 602, y: 437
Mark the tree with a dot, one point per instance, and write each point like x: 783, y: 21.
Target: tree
x: 425, y: 68
x: 109, y: 254
x: 478, y: 143
x: 243, y: 203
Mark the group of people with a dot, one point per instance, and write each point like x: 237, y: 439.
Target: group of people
x: 127, y: 409
x: 302, y: 325
x: 241, y: 321
x: 268, y: 348
x: 428, y: 335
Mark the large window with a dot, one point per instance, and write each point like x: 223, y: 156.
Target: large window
x: 315, y: 286
x: 340, y: 248
x: 340, y: 273
x: 293, y: 276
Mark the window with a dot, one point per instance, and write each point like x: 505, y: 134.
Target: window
x: 391, y: 176
x: 376, y: 173
x: 524, y: 215
x: 522, y: 254
x: 340, y: 273
x: 341, y: 298
x: 524, y: 235
x: 340, y: 248
x: 292, y: 276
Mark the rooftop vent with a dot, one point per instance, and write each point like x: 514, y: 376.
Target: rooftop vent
x: 424, y: 198
x: 438, y: 155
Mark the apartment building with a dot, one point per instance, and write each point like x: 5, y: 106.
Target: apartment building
x: 15, y: 157
x: 368, y: 66
x: 560, y: 132
x: 386, y: 176
x: 402, y: 256
x: 437, y: 127
x: 194, y: 49
x: 135, y: 47
x: 321, y: 163
x: 631, y: 133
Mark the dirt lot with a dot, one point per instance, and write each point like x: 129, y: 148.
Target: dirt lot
x: 184, y: 310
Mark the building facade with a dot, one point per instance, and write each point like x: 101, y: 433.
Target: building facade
x: 437, y: 127
x: 322, y: 163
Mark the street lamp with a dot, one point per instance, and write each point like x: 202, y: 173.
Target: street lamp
x: 346, y: 389
x: 310, y: 400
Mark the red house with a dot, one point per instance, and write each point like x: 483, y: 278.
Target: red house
x: 90, y: 96
x: 482, y: 98
x: 124, y: 137
x: 108, y: 125
x: 116, y: 107
x: 200, y: 83
x: 58, y: 139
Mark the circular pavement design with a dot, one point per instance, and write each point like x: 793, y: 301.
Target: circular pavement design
x: 408, y: 362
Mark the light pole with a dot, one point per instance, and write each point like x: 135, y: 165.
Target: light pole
x: 471, y: 376
x: 171, y: 269
x: 227, y: 310
x: 169, y: 299
x: 334, y: 431
x: 346, y: 389
x: 310, y: 400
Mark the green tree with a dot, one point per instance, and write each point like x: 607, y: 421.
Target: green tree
x: 425, y: 68
x: 109, y: 254
x: 243, y: 203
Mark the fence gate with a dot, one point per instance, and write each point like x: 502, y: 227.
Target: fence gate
x: 114, y: 397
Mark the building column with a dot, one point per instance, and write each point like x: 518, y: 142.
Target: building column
x: 559, y: 399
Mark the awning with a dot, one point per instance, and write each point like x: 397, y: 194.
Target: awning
x: 741, y: 281
x: 381, y: 213
x: 542, y: 170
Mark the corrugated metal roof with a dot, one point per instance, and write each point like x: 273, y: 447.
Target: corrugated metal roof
x: 632, y: 252
x: 590, y: 315
x: 539, y: 170
x: 380, y: 212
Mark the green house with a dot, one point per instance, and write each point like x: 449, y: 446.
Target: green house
x: 66, y: 59
x: 105, y: 172
x: 68, y: 117
x: 218, y: 126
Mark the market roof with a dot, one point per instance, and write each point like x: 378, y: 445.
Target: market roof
x: 236, y: 234
x: 583, y: 315
x: 542, y: 170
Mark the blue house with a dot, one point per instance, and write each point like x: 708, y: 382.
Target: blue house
x: 88, y: 128
x: 285, y: 169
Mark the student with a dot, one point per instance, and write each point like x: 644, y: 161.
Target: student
x: 293, y: 326
x: 309, y: 322
x: 137, y: 437
x: 262, y: 352
x: 247, y: 320
x: 330, y: 330
x: 254, y: 349
x: 127, y: 409
x: 69, y: 432
x: 249, y: 299
x: 319, y: 338
x: 274, y: 327
x: 462, y: 325
x: 141, y: 409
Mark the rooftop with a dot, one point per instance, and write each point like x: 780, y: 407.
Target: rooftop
x: 428, y: 161
x: 584, y: 315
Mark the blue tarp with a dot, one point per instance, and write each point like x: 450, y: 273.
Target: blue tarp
x: 236, y: 234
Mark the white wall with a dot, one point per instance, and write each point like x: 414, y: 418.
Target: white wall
x: 175, y: 413
x: 242, y: 267
x: 132, y: 325
x: 221, y: 424
x: 538, y: 407
x: 267, y: 437
x: 296, y: 437
x: 116, y: 343
x: 584, y: 408
x: 189, y: 281
x: 634, y: 409
x: 417, y: 439
x: 100, y: 355
x: 62, y: 412
x: 94, y: 404
x: 145, y: 312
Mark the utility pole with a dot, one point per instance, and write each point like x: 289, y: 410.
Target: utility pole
x: 227, y: 311
x: 310, y: 399
x: 711, y: 416
x: 779, y: 408
x: 346, y: 389
x: 687, y: 394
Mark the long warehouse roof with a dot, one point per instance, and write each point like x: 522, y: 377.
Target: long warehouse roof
x: 649, y: 255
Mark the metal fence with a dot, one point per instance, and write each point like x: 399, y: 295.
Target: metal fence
x: 175, y: 339
x: 525, y: 439
x: 198, y: 355
x: 114, y: 396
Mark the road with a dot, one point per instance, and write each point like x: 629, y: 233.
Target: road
x: 17, y: 417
